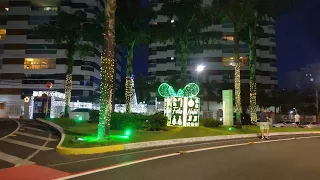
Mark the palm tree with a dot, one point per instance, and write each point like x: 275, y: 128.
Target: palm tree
x: 183, y: 29
x: 67, y: 31
x: 255, y: 12
x: 131, y: 31
x: 233, y: 11
x: 107, y: 69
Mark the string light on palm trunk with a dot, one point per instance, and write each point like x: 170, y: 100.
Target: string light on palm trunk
x: 107, y: 70
x: 237, y: 88
x: 68, y: 89
x: 128, y: 93
x: 253, y: 101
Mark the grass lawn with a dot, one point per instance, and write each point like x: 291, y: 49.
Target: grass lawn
x: 88, y: 131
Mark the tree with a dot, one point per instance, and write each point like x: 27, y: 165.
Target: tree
x: 183, y: 29
x: 67, y: 31
x: 143, y: 88
x: 255, y: 12
x: 107, y: 69
x: 233, y: 11
x: 131, y: 21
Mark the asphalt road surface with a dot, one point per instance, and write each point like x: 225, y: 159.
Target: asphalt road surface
x: 27, y: 143
x: 284, y: 159
x: 7, y: 126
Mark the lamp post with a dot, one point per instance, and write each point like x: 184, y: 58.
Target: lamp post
x: 199, y: 69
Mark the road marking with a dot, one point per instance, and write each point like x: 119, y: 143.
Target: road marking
x: 13, y: 131
x: 173, y: 154
x: 21, y: 143
x: 13, y: 159
x: 35, y: 129
x: 117, y: 166
x: 35, y: 136
x: 144, y: 151
x: 22, y: 162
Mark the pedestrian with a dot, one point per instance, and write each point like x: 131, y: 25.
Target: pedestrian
x: 264, y: 124
x: 297, y: 119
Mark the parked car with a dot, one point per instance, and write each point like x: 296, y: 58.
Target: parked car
x: 284, y: 124
x: 310, y: 125
x: 80, y: 114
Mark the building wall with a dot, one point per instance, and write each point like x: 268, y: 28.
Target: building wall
x: 163, y: 63
x: 19, y: 44
x: 307, y: 77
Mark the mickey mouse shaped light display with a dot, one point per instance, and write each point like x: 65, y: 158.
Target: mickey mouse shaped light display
x: 182, y: 107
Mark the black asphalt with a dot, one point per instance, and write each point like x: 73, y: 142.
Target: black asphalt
x: 286, y: 160
x: 30, y: 127
x: 7, y: 126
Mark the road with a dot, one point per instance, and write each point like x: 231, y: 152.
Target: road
x: 23, y: 142
x: 287, y: 159
x: 283, y: 157
x: 7, y: 126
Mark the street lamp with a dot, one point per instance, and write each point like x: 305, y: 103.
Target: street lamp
x: 199, y: 69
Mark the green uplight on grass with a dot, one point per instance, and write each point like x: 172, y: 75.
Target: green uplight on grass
x: 127, y: 132
x: 80, y: 118
x: 230, y: 129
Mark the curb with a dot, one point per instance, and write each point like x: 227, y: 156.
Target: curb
x: 148, y: 144
x: 80, y: 151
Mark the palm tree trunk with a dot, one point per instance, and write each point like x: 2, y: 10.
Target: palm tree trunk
x: 253, y: 85
x: 129, y: 80
x: 183, y: 58
x: 237, y: 77
x: 107, y: 69
x: 68, y: 87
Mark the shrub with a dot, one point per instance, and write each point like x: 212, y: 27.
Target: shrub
x: 94, y: 115
x: 122, y: 121
x: 211, y: 123
x: 156, y: 122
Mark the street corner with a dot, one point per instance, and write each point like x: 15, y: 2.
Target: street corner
x: 31, y: 172
x: 88, y: 151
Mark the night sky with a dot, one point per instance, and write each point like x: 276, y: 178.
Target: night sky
x: 297, y: 35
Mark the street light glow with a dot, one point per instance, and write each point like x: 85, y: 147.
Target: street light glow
x: 200, y: 68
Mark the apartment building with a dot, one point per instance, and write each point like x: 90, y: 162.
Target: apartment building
x: 218, y: 58
x: 28, y: 62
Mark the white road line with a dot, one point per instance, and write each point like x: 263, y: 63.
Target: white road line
x: 13, y: 131
x: 35, y: 129
x: 118, y: 166
x: 174, y: 154
x: 21, y: 143
x: 144, y: 151
x: 12, y: 159
x: 22, y: 162
x: 35, y: 136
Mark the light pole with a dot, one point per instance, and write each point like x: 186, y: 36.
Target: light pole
x: 199, y: 69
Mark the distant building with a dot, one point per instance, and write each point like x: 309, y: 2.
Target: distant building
x: 306, y: 78
x: 28, y: 62
x: 218, y: 59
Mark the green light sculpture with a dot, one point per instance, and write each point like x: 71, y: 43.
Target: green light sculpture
x: 190, y: 90
x: 182, y: 107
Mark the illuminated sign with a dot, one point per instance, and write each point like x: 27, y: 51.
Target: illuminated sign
x: 182, y: 108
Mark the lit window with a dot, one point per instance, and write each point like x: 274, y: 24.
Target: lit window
x: 229, y: 61
x: 172, y: 21
x: 50, y: 8
x: 3, y: 33
x: 31, y: 63
x: 7, y: 9
x: 228, y: 38
x: 172, y: 58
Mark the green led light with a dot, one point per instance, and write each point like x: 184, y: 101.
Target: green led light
x: 190, y: 90
x: 230, y: 129
x: 128, y: 132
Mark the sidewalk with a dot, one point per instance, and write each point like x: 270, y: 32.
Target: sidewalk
x: 31, y: 172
